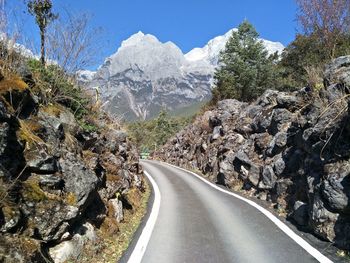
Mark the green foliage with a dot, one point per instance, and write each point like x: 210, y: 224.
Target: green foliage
x: 149, y: 135
x: 56, y: 86
x: 246, y: 70
x: 308, y: 51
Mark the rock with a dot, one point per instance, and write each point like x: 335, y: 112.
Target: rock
x: 68, y: 121
x: 52, y: 181
x: 116, y: 207
x: 280, y: 117
x: 338, y: 71
x: 336, y: 187
x: 230, y: 105
x: 268, y: 98
x: 322, y: 221
x: 20, y: 249
x: 51, y: 219
x: 300, y: 213
x: 72, y: 249
x: 217, y: 132
x: 291, y: 102
x: 10, y: 217
x: 279, y: 165
x: 79, y: 180
x: 21, y: 101
x: 54, y: 132
x: 277, y: 143
x: 268, y: 178
x: 38, y: 161
x: 214, y: 121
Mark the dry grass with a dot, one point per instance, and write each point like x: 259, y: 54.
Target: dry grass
x: 27, y: 132
x: 12, y: 83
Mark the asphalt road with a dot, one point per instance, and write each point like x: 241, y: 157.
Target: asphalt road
x: 198, y: 223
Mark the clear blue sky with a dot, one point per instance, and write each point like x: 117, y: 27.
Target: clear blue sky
x: 187, y: 23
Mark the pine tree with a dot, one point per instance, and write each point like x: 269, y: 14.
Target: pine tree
x: 245, y: 69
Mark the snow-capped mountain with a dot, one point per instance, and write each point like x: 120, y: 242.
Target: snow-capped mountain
x: 210, y: 52
x: 145, y: 75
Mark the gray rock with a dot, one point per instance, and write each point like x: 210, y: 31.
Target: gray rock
x: 290, y: 102
x: 38, y: 161
x: 217, y: 132
x: 279, y: 165
x: 214, y: 121
x: 268, y: 178
x: 117, y: 209
x: 336, y: 188
x: 280, y: 117
x: 79, y: 180
x: 300, y: 213
x: 321, y: 220
x: 338, y: 71
x: 230, y: 105
x: 72, y: 249
x: 52, y: 181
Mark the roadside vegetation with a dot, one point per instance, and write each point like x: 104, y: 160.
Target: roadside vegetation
x: 246, y: 70
x: 149, y: 135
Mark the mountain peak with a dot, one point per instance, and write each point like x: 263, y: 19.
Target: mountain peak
x: 138, y: 38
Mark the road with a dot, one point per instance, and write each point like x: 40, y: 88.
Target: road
x: 199, y: 223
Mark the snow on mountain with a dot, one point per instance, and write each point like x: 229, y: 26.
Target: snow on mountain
x: 145, y: 75
x: 210, y: 52
x: 85, y: 75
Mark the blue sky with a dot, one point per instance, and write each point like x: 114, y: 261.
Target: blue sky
x: 187, y: 23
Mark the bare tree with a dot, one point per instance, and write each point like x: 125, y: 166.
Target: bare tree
x: 72, y: 43
x: 329, y: 20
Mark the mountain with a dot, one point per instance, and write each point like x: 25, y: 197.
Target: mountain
x: 146, y: 75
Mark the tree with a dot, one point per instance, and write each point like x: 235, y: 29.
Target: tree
x: 328, y: 20
x: 245, y: 69
x: 42, y: 10
x: 72, y: 43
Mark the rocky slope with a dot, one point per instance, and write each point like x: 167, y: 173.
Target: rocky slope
x: 59, y: 184
x: 145, y: 75
x: 291, y: 149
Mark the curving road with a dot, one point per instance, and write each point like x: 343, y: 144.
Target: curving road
x: 196, y: 222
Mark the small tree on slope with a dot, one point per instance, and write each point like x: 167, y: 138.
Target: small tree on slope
x: 245, y: 69
x: 42, y: 10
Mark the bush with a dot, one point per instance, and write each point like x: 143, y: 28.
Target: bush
x: 54, y: 85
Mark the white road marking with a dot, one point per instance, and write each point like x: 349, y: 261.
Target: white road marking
x: 301, y: 242
x: 140, y: 248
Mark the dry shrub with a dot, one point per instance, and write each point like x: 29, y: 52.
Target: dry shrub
x: 314, y: 76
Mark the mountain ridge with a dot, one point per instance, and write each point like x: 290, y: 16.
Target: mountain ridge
x: 145, y: 75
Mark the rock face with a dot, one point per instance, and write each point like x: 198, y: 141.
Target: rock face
x: 57, y: 181
x: 145, y: 75
x: 292, y: 149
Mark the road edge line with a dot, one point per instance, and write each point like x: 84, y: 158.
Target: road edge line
x: 289, y: 232
x: 141, y: 245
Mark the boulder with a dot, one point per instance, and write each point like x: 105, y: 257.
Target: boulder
x: 72, y: 249
x: 338, y: 71
x: 79, y: 180
x: 116, y: 209
x: 300, y: 213
x: 268, y: 178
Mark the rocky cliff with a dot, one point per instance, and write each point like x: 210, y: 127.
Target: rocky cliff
x: 60, y: 185
x: 291, y: 149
